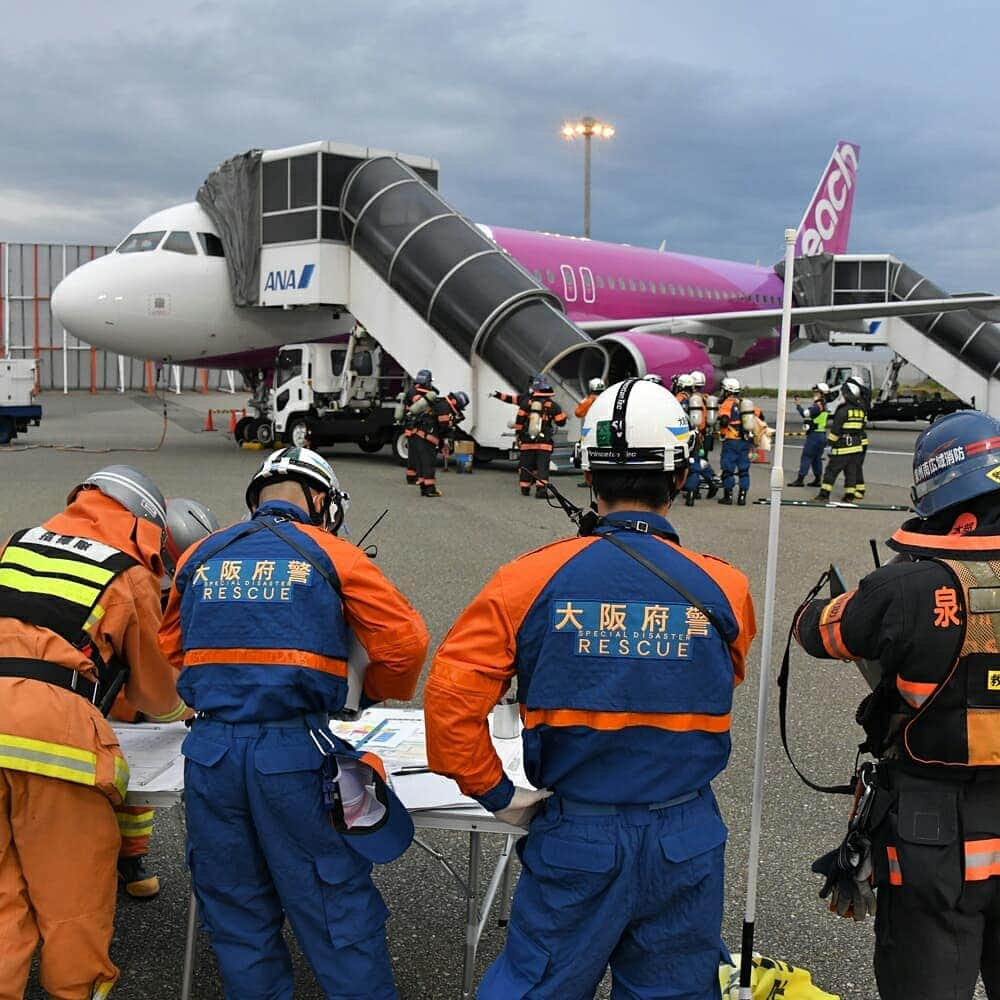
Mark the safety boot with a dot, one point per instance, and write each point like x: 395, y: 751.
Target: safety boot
x: 138, y: 883
x: 429, y: 490
x: 726, y: 498
x: 816, y: 482
x: 713, y: 487
x: 689, y: 499
x: 822, y: 496
x: 526, y: 491
x: 541, y: 493
x: 798, y: 482
x: 411, y: 479
x: 848, y: 498
x: 741, y: 499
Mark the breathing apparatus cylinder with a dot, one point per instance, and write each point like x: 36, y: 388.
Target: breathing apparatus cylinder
x: 422, y: 404
x: 535, y: 419
x: 399, y: 410
x: 711, y: 411
x: 748, y: 419
x: 696, y: 410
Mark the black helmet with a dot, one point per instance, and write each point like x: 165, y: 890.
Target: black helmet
x: 461, y: 399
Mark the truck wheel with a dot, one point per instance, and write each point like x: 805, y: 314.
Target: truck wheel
x: 242, y: 432
x: 297, y: 433
x: 6, y: 430
x: 265, y: 432
x: 401, y: 447
x: 371, y: 443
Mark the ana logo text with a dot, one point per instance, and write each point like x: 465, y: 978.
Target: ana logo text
x: 281, y: 281
x: 823, y: 214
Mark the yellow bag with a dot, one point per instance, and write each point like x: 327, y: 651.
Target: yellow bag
x: 771, y: 979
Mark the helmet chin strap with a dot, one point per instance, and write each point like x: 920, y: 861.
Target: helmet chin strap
x: 321, y: 517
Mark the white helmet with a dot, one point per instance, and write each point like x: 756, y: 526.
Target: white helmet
x: 596, y: 385
x: 822, y: 387
x: 654, y: 378
x: 699, y: 378
x: 309, y: 469
x: 637, y: 425
x: 188, y: 521
x: 685, y: 381
x: 731, y: 385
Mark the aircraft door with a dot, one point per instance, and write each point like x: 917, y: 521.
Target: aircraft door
x: 587, y: 285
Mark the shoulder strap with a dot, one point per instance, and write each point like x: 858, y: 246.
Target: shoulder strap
x: 847, y: 789
x: 671, y: 582
x: 323, y: 572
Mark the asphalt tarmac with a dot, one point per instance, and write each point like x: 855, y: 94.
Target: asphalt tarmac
x: 440, y: 552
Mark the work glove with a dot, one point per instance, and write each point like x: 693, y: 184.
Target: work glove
x: 848, y: 871
x: 495, y: 394
x: 523, y: 805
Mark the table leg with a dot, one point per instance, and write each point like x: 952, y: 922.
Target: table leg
x: 505, y: 892
x: 189, y: 948
x: 471, y: 914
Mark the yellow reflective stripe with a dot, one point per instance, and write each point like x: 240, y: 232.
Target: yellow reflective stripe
x: 135, y: 826
x: 103, y: 990
x: 171, y: 716
x: 76, y: 593
x: 53, y: 760
x: 121, y: 776
x: 48, y: 564
x: 94, y: 618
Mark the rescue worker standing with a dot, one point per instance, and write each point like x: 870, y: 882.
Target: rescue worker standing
x: 815, y: 416
x: 538, y: 416
x: 594, y: 388
x: 846, y: 436
x: 624, y: 863
x: 187, y: 522
x: 79, y: 608
x: 258, y: 620
x: 430, y: 431
x: 930, y: 621
x: 736, y: 442
x: 423, y: 386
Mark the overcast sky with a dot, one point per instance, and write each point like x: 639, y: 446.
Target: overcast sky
x: 726, y: 113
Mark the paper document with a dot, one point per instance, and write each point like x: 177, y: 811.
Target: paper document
x: 420, y: 792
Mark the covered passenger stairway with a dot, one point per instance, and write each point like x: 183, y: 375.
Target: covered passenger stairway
x: 960, y: 349
x: 365, y: 232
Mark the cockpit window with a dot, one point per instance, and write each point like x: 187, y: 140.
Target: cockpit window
x: 179, y: 242
x: 141, y: 242
x: 211, y: 244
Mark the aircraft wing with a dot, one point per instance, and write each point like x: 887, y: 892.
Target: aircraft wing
x: 986, y: 307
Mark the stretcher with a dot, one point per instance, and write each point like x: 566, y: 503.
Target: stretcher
x: 156, y: 780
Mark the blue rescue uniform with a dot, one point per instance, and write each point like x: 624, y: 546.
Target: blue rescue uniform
x: 258, y: 621
x: 626, y: 691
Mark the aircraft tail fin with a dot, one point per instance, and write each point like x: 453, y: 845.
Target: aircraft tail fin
x: 825, y: 226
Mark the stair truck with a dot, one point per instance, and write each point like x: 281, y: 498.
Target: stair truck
x: 17, y: 392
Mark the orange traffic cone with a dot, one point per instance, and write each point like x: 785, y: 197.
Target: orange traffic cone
x: 209, y: 426
x: 232, y: 421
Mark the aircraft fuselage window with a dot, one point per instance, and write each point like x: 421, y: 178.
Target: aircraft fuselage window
x: 642, y: 285
x: 663, y: 289
x: 212, y: 245
x: 179, y: 242
x: 621, y: 284
x: 141, y: 242
x: 549, y: 276
x: 600, y: 281
x: 690, y: 291
x: 289, y: 366
x: 673, y: 290
x: 631, y: 284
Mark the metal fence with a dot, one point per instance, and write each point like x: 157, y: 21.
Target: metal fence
x: 30, y: 273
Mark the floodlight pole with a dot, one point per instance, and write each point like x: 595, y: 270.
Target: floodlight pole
x: 770, y: 580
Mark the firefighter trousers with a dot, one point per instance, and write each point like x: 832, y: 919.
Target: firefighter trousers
x: 58, y: 884
x: 533, y: 460
x: 937, y: 867
x: 423, y: 459
x: 850, y: 465
x: 735, y: 462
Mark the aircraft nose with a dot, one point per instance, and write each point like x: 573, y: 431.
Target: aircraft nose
x: 83, y: 307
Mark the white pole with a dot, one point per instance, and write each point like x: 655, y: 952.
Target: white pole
x: 121, y: 373
x: 177, y: 379
x: 777, y: 482
x: 65, y: 347
x: 6, y: 300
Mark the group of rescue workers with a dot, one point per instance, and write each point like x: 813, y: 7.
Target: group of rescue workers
x: 428, y: 422
x: 623, y: 859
